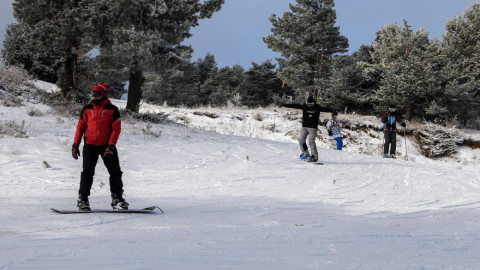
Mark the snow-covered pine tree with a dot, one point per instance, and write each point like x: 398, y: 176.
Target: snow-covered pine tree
x: 461, y: 46
x: 350, y: 87
x: 404, y: 57
x: 45, y: 39
x: 142, y: 35
x: 307, y: 38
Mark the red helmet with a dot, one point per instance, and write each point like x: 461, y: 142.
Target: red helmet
x: 100, y: 90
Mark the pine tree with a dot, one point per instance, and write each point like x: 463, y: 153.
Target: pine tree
x: 260, y: 85
x: 408, y: 79
x: 205, y: 68
x: 461, y: 47
x: 224, y: 85
x: 176, y: 83
x: 307, y: 38
x: 350, y: 86
x: 141, y: 34
x: 46, y: 39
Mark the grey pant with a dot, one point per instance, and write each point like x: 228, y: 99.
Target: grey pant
x: 312, y: 135
x: 390, y: 142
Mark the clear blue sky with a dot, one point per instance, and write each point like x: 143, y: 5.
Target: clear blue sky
x: 234, y: 34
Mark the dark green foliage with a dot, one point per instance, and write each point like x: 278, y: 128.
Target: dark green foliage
x: 144, y: 36
x: 44, y: 37
x: 224, y: 86
x: 461, y: 74
x: 261, y: 83
x: 307, y: 38
x: 351, y: 87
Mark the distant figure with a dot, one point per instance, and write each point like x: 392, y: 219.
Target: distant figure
x: 333, y: 127
x: 99, y: 125
x: 389, y: 120
x: 311, y: 114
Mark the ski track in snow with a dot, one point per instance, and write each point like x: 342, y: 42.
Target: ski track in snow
x: 232, y: 203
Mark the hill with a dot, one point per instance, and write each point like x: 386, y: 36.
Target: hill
x: 231, y: 201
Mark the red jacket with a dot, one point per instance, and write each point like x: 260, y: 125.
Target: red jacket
x: 390, y: 119
x: 100, y: 124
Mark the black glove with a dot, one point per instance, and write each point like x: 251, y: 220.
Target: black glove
x: 109, y: 151
x: 348, y: 127
x: 330, y: 133
x: 75, y: 151
x: 403, y: 124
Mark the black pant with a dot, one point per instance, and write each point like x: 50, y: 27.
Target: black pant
x: 90, y: 158
x: 390, y: 138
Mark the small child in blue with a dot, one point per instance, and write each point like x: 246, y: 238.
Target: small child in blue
x: 333, y: 127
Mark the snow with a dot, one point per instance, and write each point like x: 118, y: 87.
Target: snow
x: 235, y: 196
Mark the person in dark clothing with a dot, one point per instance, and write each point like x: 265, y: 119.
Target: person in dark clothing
x: 389, y: 120
x: 311, y: 114
x: 99, y: 125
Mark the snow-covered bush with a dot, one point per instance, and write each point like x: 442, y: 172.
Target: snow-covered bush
x: 155, y: 118
x: 437, y: 141
x: 13, y: 84
x: 11, y: 128
x: 34, y: 112
x: 148, y: 132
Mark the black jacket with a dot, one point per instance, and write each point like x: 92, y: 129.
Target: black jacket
x: 310, y: 114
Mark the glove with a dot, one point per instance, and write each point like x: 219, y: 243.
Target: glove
x: 330, y: 133
x: 403, y: 124
x: 109, y: 151
x: 75, y: 151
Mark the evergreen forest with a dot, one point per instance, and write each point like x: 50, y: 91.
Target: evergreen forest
x: 137, y: 47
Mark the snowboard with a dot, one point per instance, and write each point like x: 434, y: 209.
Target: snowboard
x: 147, y: 210
x: 315, y: 163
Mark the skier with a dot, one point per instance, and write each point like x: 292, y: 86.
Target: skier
x: 333, y: 127
x: 311, y: 114
x: 100, y: 125
x: 389, y: 120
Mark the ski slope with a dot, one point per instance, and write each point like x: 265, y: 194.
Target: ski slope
x: 231, y: 202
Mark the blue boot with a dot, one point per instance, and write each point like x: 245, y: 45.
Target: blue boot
x: 304, y: 155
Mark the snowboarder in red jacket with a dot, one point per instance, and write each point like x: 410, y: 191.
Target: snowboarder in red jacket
x: 99, y: 125
x: 389, y: 120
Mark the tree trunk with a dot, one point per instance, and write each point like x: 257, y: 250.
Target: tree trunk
x: 68, y: 83
x: 319, y: 72
x: 134, y: 88
x: 409, y: 113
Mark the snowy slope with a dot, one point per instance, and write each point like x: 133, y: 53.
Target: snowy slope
x: 237, y: 198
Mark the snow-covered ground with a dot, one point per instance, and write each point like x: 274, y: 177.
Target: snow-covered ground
x: 235, y: 196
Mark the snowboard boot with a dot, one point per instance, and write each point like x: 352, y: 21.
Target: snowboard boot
x: 392, y: 156
x: 118, y: 202
x: 304, y: 155
x: 312, y: 158
x: 386, y: 155
x: 82, y: 203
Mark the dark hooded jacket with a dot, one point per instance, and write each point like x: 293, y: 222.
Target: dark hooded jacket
x: 311, y: 114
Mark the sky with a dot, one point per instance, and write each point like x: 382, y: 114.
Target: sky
x: 234, y: 34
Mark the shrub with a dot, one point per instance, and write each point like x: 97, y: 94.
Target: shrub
x: 437, y: 141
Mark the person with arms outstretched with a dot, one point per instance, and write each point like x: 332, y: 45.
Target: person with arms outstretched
x: 311, y: 114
